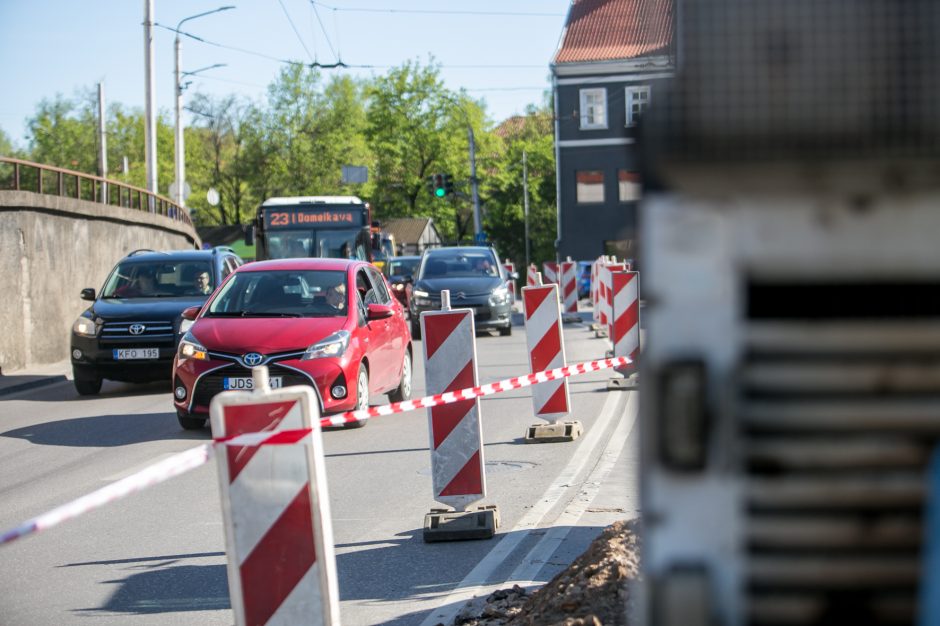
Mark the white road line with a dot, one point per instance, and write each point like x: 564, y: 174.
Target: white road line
x: 524, y: 574
x: 475, y: 581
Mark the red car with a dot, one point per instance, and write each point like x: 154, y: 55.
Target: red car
x: 329, y: 323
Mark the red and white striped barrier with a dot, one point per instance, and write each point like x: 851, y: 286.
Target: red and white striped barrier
x: 569, y: 288
x: 531, y: 276
x: 546, y: 349
x: 278, y: 534
x: 606, y: 294
x: 456, y: 434
x: 595, y: 309
x: 510, y: 267
x: 625, y: 330
x: 550, y: 272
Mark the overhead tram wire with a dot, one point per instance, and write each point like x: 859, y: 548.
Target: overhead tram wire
x: 296, y: 32
x: 331, y: 65
x: 325, y: 34
x: 436, y: 11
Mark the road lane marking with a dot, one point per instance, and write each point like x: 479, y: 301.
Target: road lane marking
x: 449, y: 605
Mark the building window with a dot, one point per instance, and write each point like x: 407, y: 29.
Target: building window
x: 593, y: 108
x: 629, y: 185
x: 637, y: 98
x: 590, y: 186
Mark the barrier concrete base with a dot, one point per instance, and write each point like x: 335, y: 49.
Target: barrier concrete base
x: 595, y: 326
x: 570, y: 318
x: 624, y: 384
x: 551, y: 433
x: 600, y: 332
x: 447, y: 525
x: 609, y: 354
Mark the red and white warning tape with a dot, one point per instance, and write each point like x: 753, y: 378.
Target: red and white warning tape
x: 194, y: 457
x: 156, y: 473
x: 473, y: 392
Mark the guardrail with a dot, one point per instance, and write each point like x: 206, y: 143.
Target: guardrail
x: 29, y: 176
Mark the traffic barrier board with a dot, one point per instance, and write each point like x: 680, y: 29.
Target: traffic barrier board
x: 455, y: 431
x: 275, y: 505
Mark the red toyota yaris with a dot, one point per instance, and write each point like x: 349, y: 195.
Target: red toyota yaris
x: 328, y: 323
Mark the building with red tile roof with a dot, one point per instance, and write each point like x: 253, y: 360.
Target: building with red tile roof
x: 612, y: 59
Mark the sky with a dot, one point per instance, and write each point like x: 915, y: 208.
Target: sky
x: 499, y: 51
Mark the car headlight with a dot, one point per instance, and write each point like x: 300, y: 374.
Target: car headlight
x: 190, y: 348
x: 399, y: 286
x: 499, y: 296
x: 332, y: 346
x: 421, y: 297
x: 85, y: 327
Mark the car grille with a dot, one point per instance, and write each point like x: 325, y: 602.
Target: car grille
x: 838, y: 420
x: 154, y: 333
x: 211, y: 384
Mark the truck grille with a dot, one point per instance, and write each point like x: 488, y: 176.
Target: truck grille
x: 839, y: 415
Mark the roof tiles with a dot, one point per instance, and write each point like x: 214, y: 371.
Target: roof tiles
x: 609, y: 30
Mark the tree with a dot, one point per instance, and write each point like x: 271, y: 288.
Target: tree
x: 505, y: 220
x: 416, y: 127
x: 6, y: 146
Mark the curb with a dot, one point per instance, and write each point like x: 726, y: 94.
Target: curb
x: 30, y: 384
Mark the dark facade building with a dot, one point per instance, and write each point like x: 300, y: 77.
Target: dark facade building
x: 613, y: 58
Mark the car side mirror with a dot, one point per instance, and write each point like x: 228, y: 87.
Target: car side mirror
x: 379, y: 311
x: 88, y: 294
x: 190, y: 313
x: 250, y: 236
x: 409, y: 278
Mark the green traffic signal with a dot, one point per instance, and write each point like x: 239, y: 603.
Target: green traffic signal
x: 440, y: 192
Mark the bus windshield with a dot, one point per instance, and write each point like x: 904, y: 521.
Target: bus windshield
x: 337, y: 244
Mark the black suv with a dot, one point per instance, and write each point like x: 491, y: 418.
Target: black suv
x: 132, y: 330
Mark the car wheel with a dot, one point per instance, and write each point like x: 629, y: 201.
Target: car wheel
x: 415, y: 327
x: 86, y: 385
x: 403, y: 391
x: 362, y: 396
x: 505, y: 332
x: 190, y: 423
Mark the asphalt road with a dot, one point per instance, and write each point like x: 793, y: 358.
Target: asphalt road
x: 158, y: 557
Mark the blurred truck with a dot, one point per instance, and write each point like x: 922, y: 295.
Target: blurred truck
x: 791, y: 370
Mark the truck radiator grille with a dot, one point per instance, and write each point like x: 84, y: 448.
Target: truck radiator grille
x: 838, y: 419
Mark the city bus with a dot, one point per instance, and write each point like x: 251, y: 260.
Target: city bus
x: 313, y: 226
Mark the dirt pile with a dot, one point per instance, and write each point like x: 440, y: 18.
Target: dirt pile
x: 592, y: 591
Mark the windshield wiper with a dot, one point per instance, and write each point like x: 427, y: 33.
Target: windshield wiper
x: 268, y: 314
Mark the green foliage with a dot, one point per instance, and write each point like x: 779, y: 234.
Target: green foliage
x: 404, y: 126
x: 505, y: 219
x: 6, y: 146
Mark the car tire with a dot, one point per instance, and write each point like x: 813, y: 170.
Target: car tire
x: 415, y: 327
x: 403, y: 391
x: 85, y: 384
x: 189, y: 422
x: 362, y: 395
x: 507, y: 331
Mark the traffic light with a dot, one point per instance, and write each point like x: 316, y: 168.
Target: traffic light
x: 448, y: 184
x: 439, y: 185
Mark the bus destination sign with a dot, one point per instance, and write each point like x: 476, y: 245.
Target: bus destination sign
x: 306, y: 217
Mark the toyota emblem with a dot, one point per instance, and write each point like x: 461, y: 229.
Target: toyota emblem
x: 137, y: 329
x: 253, y: 358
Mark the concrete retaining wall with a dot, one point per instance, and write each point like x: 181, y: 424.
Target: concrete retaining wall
x: 50, y: 249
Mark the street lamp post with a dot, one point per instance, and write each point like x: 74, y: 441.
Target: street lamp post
x: 180, y: 160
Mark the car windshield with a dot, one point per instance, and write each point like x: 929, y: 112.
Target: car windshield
x: 459, y: 264
x: 398, y: 267
x: 282, y: 293
x: 159, y: 279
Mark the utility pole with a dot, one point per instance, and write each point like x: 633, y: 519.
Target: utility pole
x: 102, y: 144
x: 150, y: 114
x: 525, y: 205
x: 179, y: 145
